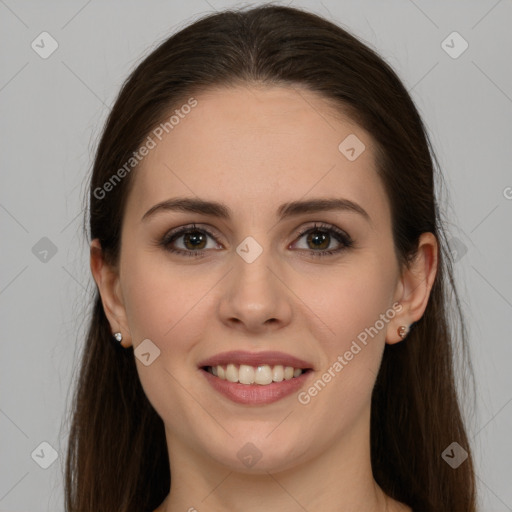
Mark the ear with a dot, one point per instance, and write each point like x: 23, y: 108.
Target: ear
x: 107, y: 280
x: 413, y: 290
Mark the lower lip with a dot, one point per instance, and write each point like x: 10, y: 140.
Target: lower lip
x: 256, y: 394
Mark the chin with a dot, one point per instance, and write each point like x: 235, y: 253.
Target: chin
x: 258, y: 456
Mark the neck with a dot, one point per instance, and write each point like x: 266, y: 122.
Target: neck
x: 337, y: 479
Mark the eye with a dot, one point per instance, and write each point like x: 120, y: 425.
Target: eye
x: 194, y: 240
x: 320, y: 237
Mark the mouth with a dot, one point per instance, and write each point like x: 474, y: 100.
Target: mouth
x: 256, y: 378
x: 261, y: 375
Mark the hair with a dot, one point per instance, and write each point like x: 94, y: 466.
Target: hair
x: 117, y: 456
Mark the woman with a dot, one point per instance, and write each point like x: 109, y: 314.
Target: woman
x: 271, y: 325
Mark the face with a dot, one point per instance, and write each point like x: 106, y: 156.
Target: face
x: 317, y: 285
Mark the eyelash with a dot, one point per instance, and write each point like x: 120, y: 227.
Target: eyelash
x: 339, y: 235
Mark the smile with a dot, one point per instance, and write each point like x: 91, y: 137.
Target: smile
x: 262, y: 375
x: 255, y: 378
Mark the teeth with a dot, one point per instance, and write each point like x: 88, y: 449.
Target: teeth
x: 278, y: 373
x: 231, y: 373
x: 246, y: 374
x: 262, y: 375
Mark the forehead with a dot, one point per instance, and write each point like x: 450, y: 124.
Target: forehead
x: 256, y: 147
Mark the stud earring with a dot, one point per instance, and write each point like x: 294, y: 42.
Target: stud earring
x: 402, y: 331
x: 118, y: 337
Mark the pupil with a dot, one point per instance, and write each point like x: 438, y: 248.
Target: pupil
x: 319, y: 237
x: 195, y: 238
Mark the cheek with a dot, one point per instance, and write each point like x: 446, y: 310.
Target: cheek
x: 152, y: 299
x: 343, y: 386
x: 166, y: 303
x: 167, y: 307
x: 352, y: 298
x: 357, y: 310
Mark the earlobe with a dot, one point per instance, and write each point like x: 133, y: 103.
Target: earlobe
x: 415, y: 286
x: 107, y: 281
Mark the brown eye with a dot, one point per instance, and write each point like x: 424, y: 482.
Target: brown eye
x: 193, y: 241
x: 319, y: 239
x: 196, y: 239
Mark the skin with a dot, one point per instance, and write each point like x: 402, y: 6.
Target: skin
x: 253, y: 148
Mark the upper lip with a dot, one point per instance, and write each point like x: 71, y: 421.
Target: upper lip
x: 271, y: 358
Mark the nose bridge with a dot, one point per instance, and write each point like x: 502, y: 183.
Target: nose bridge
x: 252, y: 274
x: 255, y: 293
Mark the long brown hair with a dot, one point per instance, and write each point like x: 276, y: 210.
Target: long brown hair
x: 117, y: 456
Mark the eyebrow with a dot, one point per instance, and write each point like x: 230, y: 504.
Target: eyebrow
x: 286, y: 210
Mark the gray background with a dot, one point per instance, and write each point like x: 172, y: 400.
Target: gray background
x: 53, y: 110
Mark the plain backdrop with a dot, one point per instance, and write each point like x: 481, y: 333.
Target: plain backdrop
x: 53, y: 110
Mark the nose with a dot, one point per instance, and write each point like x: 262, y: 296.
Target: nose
x: 256, y: 297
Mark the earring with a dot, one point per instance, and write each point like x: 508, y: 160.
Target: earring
x: 118, y: 337
x: 402, y: 331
